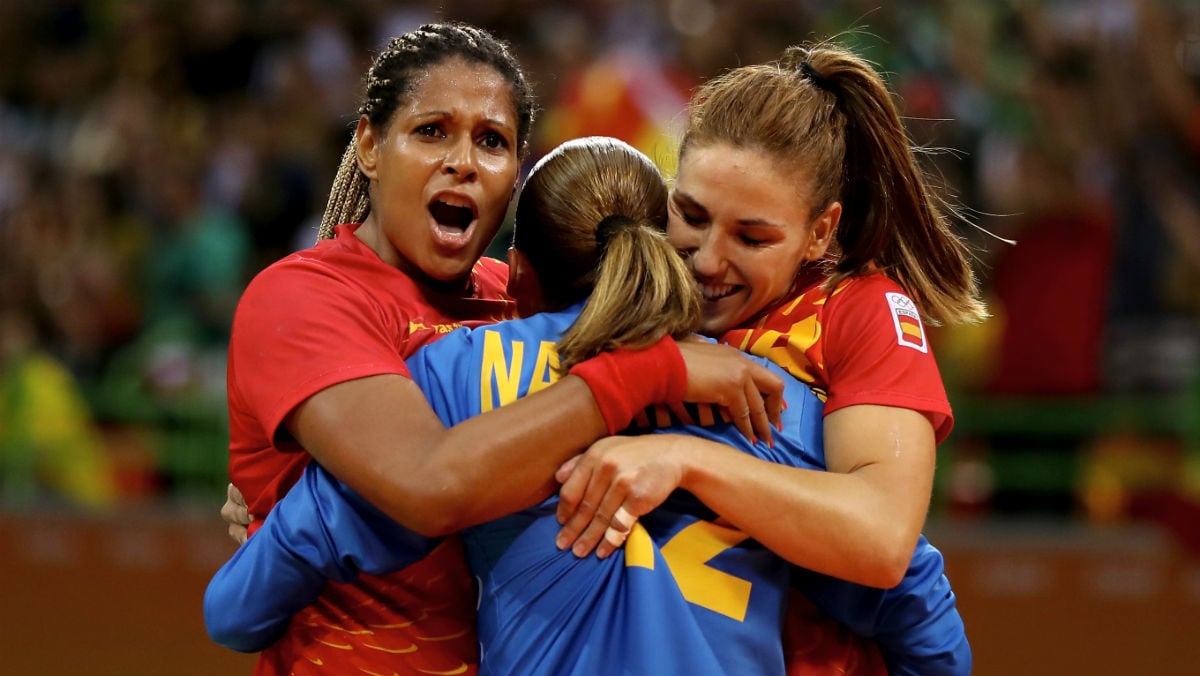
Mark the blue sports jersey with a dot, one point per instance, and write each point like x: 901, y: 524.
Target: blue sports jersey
x: 685, y: 595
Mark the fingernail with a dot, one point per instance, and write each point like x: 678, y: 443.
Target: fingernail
x: 579, y: 550
x: 560, y: 542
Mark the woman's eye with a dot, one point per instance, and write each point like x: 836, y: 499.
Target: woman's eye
x: 494, y: 141
x: 752, y: 241
x: 689, y: 214
x: 429, y: 130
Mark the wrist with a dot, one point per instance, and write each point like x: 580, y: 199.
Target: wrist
x: 682, y: 452
x: 695, y: 459
x: 624, y: 382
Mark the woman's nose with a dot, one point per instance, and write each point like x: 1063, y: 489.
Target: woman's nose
x: 460, y: 161
x: 707, y: 258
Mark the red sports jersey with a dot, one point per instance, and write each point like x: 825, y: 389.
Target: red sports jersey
x: 862, y: 343
x: 322, y: 316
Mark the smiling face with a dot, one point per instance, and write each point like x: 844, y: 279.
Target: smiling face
x: 744, y: 222
x: 441, y: 173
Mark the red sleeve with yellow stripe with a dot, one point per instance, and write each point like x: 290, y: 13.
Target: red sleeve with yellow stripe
x: 862, y: 343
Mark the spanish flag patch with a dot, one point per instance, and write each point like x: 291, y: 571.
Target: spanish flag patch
x: 909, y: 331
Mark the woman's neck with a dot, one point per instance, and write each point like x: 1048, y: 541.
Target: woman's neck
x: 372, y: 237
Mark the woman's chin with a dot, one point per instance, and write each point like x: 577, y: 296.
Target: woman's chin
x: 721, y: 315
x: 714, y: 327
x: 447, y: 275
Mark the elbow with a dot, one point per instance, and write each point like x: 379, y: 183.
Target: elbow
x: 423, y: 517
x: 225, y: 637
x: 890, y: 560
x: 436, y: 509
x: 224, y: 627
x: 890, y: 574
x: 433, y: 525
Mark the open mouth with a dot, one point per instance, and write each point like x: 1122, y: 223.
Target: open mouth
x: 452, y: 217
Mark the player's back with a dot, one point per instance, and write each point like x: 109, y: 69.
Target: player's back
x: 686, y: 595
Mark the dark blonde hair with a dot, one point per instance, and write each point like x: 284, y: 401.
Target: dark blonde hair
x: 591, y: 219
x: 825, y: 111
x: 390, y: 80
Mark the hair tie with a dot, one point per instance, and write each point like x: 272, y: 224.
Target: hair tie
x: 608, y: 227
x: 822, y: 82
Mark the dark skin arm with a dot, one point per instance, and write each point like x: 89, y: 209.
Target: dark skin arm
x: 381, y: 437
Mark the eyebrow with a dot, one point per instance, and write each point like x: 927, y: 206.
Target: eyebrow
x: 689, y: 201
x: 441, y: 114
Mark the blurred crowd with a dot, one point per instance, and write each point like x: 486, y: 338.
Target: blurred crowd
x: 155, y: 154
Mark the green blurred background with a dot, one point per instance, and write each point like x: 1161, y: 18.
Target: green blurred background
x: 155, y: 154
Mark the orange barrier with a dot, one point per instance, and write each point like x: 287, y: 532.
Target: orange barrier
x: 121, y: 597
x: 110, y: 596
x: 1061, y: 601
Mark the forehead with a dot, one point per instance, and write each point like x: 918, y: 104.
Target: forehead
x: 458, y: 85
x: 744, y: 183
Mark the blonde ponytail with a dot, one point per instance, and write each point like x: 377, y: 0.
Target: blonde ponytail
x: 643, y: 291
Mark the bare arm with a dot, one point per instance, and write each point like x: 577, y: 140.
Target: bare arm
x: 380, y: 436
x: 859, y: 521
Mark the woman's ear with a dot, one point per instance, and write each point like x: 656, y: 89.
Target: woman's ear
x: 823, y: 230
x: 523, y: 284
x: 367, y: 145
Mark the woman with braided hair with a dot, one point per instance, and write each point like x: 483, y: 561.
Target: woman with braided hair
x: 588, y: 239
x: 591, y: 271
x: 316, y: 357
x: 819, y: 243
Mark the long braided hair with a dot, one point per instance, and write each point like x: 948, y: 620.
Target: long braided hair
x: 390, y: 79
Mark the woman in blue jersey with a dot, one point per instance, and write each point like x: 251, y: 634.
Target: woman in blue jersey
x: 687, y: 593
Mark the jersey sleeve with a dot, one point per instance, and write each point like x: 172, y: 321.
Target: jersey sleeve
x: 916, y: 624
x: 300, y: 328
x: 877, y: 352
x: 321, y: 530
